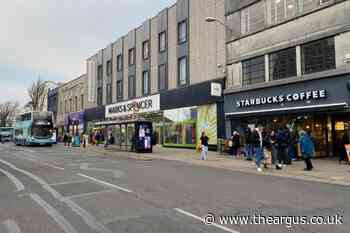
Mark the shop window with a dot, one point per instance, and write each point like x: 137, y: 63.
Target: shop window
x: 253, y: 17
x: 318, y: 56
x: 131, y: 87
x: 253, y: 70
x: 120, y: 62
x: 182, y: 71
x: 282, y: 64
x: 162, y: 41
x: 145, y: 83
x: 162, y: 78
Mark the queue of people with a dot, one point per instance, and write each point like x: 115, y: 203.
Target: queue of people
x: 278, y: 147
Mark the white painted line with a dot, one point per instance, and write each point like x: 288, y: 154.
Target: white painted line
x: 69, y: 182
x: 106, y: 183
x: 52, y: 212
x: 91, y: 194
x: 202, y: 220
x: 52, y: 166
x: 11, y: 226
x: 36, y: 160
x: 17, y: 182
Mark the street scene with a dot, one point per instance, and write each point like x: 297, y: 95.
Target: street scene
x: 176, y: 116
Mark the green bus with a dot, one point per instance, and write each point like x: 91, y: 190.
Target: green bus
x: 6, y: 134
x: 34, y: 128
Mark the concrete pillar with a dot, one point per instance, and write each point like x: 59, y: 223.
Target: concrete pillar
x: 298, y: 61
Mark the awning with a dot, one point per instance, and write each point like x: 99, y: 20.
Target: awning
x: 320, y: 107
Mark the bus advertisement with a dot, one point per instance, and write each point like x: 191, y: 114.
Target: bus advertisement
x: 34, y: 128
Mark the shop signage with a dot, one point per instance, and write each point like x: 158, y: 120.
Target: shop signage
x: 216, y: 89
x: 142, y: 105
x: 279, y: 99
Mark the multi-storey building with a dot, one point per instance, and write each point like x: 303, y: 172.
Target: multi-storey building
x: 288, y: 65
x: 170, y: 70
x: 52, y: 102
x: 72, y: 101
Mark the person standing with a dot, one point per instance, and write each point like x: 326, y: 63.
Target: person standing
x: 343, y: 155
x: 236, y: 143
x: 274, y: 149
x: 65, y: 139
x: 282, y: 140
x: 257, y: 141
x: 307, y: 149
x: 204, y: 146
x: 69, y: 140
x: 249, y: 144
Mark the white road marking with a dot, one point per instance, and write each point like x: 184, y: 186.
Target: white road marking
x: 17, y: 182
x: 91, y: 194
x: 59, y: 219
x: 11, y: 226
x: 87, y: 217
x: 116, y: 173
x: 106, y: 183
x: 36, y: 160
x: 68, y: 182
x: 202, y: 220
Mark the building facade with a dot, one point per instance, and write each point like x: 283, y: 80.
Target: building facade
x: 170, y: 70
x: 288, y: 64
x: 52, y: 102
x: 72, y: 101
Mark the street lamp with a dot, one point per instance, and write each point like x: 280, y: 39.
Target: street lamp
x: 213, y: 19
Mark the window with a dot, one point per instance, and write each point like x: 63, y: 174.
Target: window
x: 109, y: 67
x: 120, y: 90
x: 281, y: 10
x: 99, y: 96
x: 109, y: 93
x: 131, y: 57
x: 182, y: 32
x: 182, y: 71
x: 76, y: 103
x: 145, y: 50
x: 120, y: 62
x: 253, y: 70
x: 70, y: 105
x: 82, y: 102
x: 131, y: 87
x: 162, y: 78
x: 282, y: 64
x: 253, y: 18
x: 100, y: 76
x: 65, y: 106
x: 145, y: 83
x: 162, y: 41
x: 318, y: 56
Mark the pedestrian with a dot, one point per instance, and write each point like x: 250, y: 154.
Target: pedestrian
x: 274, y: 149
x: 307, y: 149
x: 282, y: 140
x: 204, y: 146
x: 97, y: 138
x: 343, y: 156
x: 235, y: 144
x: 257, y: 141
x: 65, y: 139
x: 69, y: 140
x: 111, y: 139
x: 249, y: 151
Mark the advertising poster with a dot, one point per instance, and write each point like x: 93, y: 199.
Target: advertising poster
x: 207, y: 121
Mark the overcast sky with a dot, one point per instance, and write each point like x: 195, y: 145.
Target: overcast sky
x: 53, y: 38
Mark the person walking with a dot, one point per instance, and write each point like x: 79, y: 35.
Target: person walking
x: 274, y: 149
x: 307, y: 149
x: 236, y: 143
x: 204, y: 146
x: 249, y: 144
x: 257, y: 141
x: 343, y: 155
x: 282, y: 140
x: 65, y: 139
x: 69, y: 140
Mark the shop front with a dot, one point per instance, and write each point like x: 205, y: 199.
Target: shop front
x: 93, y: 115
x: 320, y: 107
x: 74, y: 123
x: 190, y: 111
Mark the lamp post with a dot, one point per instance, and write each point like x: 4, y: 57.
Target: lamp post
x: 213, y: 19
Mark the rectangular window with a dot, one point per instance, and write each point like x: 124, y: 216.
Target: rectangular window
x: 120, y: 90
x: 100, y: 76
x: 282, y: 64
x: 318, y: 56
x: 99, y: 96
x: 253, y: 18
x: 70, y: 105
x: 109, y: 68
x: 109, y: 93
x: 281, y: 10
x: 76, y: 103
x: 145, y: 83
x: 82, y: 102
x: 162, y: 41
x: 162, y: 78
x: 182, y: 71
x: 131, y: 87
x: 131, y: 57
x: 253, y: 70
x: 182, y: 32
x: 145, y: 49
x: 120, y: 62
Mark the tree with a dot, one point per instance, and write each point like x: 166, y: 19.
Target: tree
x: 8, y: 111
x: 38, y: 94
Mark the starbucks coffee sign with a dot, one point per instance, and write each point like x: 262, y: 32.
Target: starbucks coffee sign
x: 141, y: 105
x: 279, y: 99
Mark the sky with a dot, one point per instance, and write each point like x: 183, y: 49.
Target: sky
x: 52, y: 39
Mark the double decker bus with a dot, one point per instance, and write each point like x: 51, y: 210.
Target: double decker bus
x: 34, y: 128
x: 6, y: 134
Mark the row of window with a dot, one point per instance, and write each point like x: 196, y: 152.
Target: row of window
x: 73, y: 105
x: 316, y: 56
x: 268, y: 12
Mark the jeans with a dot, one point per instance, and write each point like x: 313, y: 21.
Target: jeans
x: 259, y: 156
x: 249, y: 151
x: 204, y: 153
x: 274, y: 154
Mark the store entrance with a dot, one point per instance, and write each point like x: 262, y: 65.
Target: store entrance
x: 316, y: 124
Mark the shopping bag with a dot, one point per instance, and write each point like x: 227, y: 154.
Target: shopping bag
x: 198, y: 148
x: 268, y: 157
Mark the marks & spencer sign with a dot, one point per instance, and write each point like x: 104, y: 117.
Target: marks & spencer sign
x: 280, y: 99
x: 142, y: 105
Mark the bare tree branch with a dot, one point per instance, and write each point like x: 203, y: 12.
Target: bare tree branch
x: 37, y: 94
x: 8, y: 111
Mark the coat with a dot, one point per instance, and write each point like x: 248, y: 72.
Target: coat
x: 307, y: 147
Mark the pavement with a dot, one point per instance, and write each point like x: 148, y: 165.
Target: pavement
x: 75, y: 190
